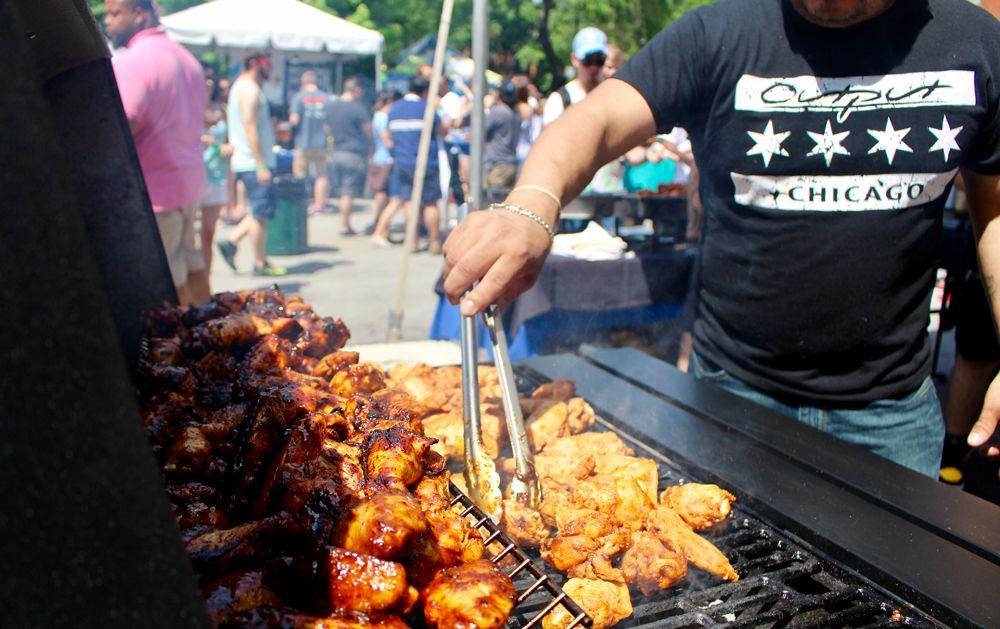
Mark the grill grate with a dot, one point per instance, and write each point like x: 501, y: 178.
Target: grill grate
x: 538, y: 594
x: 783, y: 582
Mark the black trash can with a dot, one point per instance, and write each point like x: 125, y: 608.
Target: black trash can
x: 287, y: 232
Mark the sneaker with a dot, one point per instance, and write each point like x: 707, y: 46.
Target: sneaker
x: 228, y: 252
x: 381, y: 242
x: 315, y: 210
x: 269, y: 271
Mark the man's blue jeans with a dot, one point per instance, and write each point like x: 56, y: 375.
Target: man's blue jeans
x: 909, y: 431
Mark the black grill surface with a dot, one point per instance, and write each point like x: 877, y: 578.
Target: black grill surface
x: 784, y: 582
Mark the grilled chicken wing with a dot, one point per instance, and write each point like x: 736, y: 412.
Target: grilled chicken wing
x: 384, y: 525
x: 476, y: 595
x: 363, y: 583
x: 665, y: 524
x: 394, y: 457
x: 605, y: 602
x: 359, y: 379
x: 701, y: 506
x: 650, y: 565
x: 237, y: 593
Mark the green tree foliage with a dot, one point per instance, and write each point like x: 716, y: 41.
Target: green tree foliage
x: 526, y: 35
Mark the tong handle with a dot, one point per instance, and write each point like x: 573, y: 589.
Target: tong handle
x: 470, y: 388
x: 524, y: 460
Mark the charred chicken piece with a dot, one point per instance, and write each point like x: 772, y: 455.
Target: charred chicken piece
x: 359, y: 379
x: 320, y: 336
x: 475, y: 595
x: 701, y: 506
x: 188, y: 452
x: 650, y: 565
x: 333, y: 363
x: 219, y: 552
x: 394, y: 457
x: 666, y: 525
x: 606, y: 603
x: 450, y: 538
x: 384, y: 526
x: 363, y: 583
x: 237, y: 593
x: 336, y: 621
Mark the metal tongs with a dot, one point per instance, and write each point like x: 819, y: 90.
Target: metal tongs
x: 480, y: 472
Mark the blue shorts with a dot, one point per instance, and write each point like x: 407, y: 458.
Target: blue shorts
x: 262, y: 200
x: 908, y: 430
x: 401, y: 184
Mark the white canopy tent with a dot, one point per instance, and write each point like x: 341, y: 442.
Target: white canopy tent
x: 288, y: 28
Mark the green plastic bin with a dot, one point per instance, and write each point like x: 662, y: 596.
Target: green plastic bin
x: 287, y: 232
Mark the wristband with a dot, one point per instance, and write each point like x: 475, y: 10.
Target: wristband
x: 542, y: 189
x: 517, y: 209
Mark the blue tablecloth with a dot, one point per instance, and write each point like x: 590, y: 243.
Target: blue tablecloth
x: 577, y: 296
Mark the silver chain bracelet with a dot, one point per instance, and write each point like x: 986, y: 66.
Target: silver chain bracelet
x: 517, y: 209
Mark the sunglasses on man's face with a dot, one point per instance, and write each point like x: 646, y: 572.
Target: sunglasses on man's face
x: 595, y: 59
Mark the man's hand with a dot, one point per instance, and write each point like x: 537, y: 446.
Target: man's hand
x: 987, y: 423
x: 264, y: 176
x: 504, y: 249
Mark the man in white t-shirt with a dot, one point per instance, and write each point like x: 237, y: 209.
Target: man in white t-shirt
x: 590, y: 51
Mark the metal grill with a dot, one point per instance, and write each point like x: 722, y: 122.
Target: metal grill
x: 538, y: 594
x: 784, y: 582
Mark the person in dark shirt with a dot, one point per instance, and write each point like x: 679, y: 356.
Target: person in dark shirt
x: 827, y: 135
x: 351, y: 127
x: 503, y: 126
x: 308, y: 117
x: 406, y: 120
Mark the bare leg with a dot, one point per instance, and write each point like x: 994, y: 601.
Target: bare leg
x: 198, y: 288
x: 209, y: 219
x: 242, y: 229
x: 432, y: 222
x: 183, y: 295
x: 346, y: 205
x: 382, y: 226
x: 381, y: 200
x: 258, y: 236
x: 966, y: 390
x: 321, y: 189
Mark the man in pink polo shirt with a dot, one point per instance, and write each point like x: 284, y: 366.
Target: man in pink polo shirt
x: 163, y: 92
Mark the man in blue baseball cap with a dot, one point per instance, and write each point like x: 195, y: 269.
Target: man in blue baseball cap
x: 590, y: 50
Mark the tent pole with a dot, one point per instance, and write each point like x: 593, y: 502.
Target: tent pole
x: 480, y: 57
x: 416, y: 206
x: 378, y: 69
x: 340, y: 74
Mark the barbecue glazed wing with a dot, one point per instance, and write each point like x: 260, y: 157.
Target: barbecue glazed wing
x: 650, y: 565
x: 333, y: 363
x: 701, y: 506
x: 606, y: 603
x: 476, y: 595
x: 394, y: 457
x: 666, y: 525
x: 362, y: 583
x: 450, y: 538
x: 237, y: 593
x: 359, y: 379
x: 219, y: 552
x: 337, y: 621
x: 384, y: 525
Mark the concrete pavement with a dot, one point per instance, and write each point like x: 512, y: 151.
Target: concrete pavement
x: 345, y: 277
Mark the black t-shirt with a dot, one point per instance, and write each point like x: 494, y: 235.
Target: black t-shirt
x: 347, y: 125
x: 826, y: 156
x: 503, y: 126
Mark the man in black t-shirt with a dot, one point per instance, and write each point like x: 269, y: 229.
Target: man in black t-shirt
x: 351, y: 128
x: 827, y: 135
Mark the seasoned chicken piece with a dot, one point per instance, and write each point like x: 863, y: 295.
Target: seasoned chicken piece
x: 606, y: 603
x: 232, y: 332
x: 448, y: 429
x: 334, y: 362
x: 596, y: 567
x: 394, y: 457
x: 219, y: 552
x: 363, y: 583
x: 650, y: 565
x: 588, y: 443
x: 450, y: 538
x: 397, y: 400
x: 365, y: 414
x: 337, y: 621
x: 558, y: 390
x: 166, y: 353
x: 384, y: 526
x: 188, y: 452
x: 222, y: 424
x: 239, y: 592
x: 665, y: 524
x: 270, y: 354
x: 360, y: 379
x: 580, y: 416
x: 701, y: 506
x: 523, y: 524
x: 547, y: 423
x: 579, y: 539
x: 320, y: 336
x: 346, y: 459
x: 476, y: 595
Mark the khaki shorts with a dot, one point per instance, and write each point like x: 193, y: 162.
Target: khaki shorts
x: 305, y: 161
x: 179, y: 243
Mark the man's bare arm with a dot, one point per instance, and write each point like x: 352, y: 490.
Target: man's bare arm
x: 505, y: 251
x: 249, y: 107
x: 984, y: 206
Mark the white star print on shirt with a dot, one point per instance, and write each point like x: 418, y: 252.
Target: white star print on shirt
x: 768, y: 144
x: 890, y: 140
x: 828, y: 143
x: 945, y: 138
